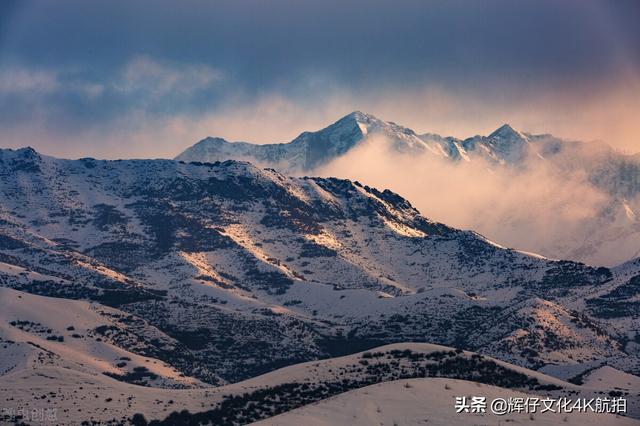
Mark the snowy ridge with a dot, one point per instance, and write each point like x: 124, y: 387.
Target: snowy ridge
x: 223, y: 271
x: 313, y: 149
x: 610, y: 237
x: 310, y: 149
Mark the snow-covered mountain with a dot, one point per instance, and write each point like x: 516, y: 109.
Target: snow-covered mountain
x: 616, y: 172
x: 211, y: 273
x: 310, y: 149
x: 313, y: 149
x: 611, y: 236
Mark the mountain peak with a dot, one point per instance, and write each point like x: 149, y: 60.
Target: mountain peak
x: 214, y: 140
x: 360, y: 117
x: 26, y: 153
x: 506, y: 132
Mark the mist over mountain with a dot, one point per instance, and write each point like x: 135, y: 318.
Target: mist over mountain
x: 560, y: 198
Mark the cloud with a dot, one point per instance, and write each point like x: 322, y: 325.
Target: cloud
x: 145, y: 74
x: 142, y: 76
x: 530, y: 208
x: 80, y: 75
x: 161, y: 122
x: 39, y: 84
x: 23, y: 81
x: 63, y: 109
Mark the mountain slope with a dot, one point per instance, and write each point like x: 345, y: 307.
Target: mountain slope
x: 77, y: 375
x: 431, y: 401
x: 84, y: 337
x: 243, y: 270
x: 607, y: 229
x: 223, y: 271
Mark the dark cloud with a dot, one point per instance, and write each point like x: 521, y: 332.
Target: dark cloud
x: 261, y: 40
x: 498, y: 49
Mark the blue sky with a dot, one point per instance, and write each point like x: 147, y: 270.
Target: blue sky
x: 128, y: 78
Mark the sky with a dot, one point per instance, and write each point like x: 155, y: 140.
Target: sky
x: 122, y: 79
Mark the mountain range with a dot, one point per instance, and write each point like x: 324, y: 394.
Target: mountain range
x: 505, y: 146
x: 187, y: 277
x: 609, y: 231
